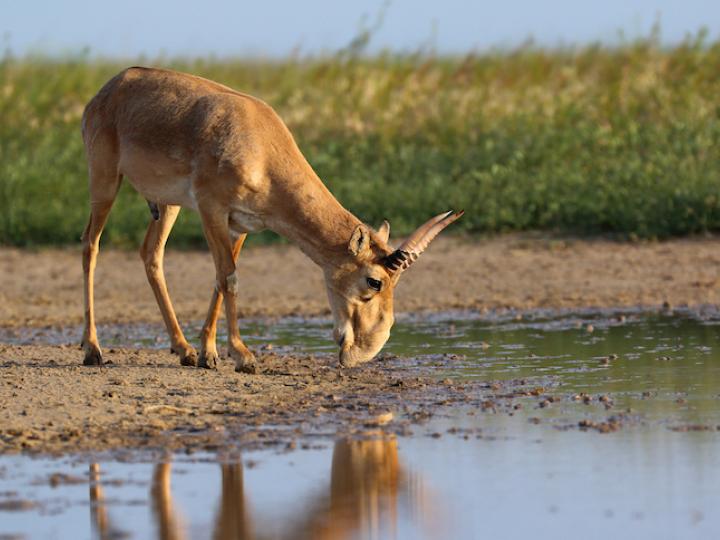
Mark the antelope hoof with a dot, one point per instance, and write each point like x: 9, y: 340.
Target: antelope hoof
x: 245, y: 362
x: 93, y: 357
x: 189, y: 361
x: 188, y: 356
x: 247, y: 367
x: 208, y: 360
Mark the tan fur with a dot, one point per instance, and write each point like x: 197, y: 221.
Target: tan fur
x: 183, y: 141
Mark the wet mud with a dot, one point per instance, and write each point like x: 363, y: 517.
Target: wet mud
x: 540, y: 362
x: 596, y: 372
x: 466, y: 417
x: 143, y: 399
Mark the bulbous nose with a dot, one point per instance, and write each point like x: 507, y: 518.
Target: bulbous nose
x: 347, y: 358
x: 353, y: 356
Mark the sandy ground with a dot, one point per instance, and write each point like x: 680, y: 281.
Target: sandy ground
x: 517, y: 271
x: 144, y: 399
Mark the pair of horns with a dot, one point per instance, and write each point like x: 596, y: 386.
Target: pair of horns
x: 408, y: 252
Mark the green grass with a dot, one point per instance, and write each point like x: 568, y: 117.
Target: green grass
x: 593, y: 140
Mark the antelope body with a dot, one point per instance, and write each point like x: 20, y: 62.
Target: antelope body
x: 184, y: 141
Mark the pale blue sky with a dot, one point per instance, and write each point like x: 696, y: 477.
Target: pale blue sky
x: 128, y: 28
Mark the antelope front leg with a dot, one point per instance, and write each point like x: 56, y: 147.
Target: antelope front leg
x: 208, y: 349
x: 217, y: 233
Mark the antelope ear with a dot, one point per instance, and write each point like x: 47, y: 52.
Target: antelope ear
x: 360, y: 242
x: 384, y: 231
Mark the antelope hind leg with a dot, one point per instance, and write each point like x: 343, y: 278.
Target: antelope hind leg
x: 152, y: 252
x: 208, y: 348
x: 91, y: 245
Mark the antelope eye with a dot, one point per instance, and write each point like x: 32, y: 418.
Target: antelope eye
x: 375, y: 284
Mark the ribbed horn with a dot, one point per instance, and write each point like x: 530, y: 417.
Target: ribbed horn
x: 400, y: 259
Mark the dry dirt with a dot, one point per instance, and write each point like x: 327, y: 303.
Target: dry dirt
x: 144, y: 399
x: 515, y: 271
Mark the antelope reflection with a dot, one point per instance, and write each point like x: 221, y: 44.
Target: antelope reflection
x: 364, y: 485
x: 367, y: 481
x: 104, y: 529
x: 169, y: 525
x: 233, y: 516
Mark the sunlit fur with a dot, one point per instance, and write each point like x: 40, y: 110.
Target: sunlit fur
x: 363, y: 317
x: 184, y: 141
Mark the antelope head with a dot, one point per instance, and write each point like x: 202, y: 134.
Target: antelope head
x: 360, y: 289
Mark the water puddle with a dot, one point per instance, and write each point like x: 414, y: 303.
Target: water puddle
x: 620, y: 438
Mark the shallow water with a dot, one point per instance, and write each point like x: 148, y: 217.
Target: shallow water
x: 544, y: 470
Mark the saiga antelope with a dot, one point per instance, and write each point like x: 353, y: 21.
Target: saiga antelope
x: 184, y: 141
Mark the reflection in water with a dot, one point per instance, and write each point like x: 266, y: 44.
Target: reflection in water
x: 233, y: 517
x: 366, y: 482
x: 364, y: 485
x: 104, y: 529
x: 169, y: 526
x: 655, y: 477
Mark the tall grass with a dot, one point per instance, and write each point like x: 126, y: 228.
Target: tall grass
x: 590, y: 140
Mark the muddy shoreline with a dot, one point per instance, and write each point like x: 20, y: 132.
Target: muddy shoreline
x: 144, y: 400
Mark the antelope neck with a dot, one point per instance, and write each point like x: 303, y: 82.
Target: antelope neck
x: 316, y: 222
